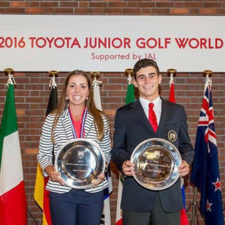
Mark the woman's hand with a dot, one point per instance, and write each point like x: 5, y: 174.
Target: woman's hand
x: 97, y: 181
x: 54, y: 175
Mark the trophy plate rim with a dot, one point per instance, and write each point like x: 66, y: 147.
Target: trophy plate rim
x: 174, y: 155
x: 95, y: 152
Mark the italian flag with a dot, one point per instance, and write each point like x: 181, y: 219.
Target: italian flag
x: 12, y: 190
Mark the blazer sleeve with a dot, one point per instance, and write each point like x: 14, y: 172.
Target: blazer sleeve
x: 185, y: 146
x: 45, y: 154
x: 119, y: 153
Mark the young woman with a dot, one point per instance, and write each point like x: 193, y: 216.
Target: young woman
x: 75, y: 117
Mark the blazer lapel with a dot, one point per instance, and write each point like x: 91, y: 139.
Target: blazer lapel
x: 66, y: 123
x: 89, y: 122
x: 163, y: 116
x: 139, y: 114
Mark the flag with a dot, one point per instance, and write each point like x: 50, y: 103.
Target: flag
x: 53, y: 100
x: 183, y: 214
x: 41, y: 195
x: 205, y: 170
x: 12, y: 189
x: 96, y: 93
x: 130, y: 97
x: 172, y: 94
x: 119, y: 220
x: 106, y: 216
x: 130, y: 94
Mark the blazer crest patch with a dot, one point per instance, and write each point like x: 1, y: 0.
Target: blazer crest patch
x: 172, y: 136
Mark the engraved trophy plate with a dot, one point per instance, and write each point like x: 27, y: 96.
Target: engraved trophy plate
x: 156, y: 163
x: 79, y: 162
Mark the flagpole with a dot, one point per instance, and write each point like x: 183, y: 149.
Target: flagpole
x: 171, y: 72
x: 9, y: 73
x: 130, y: 98
x: 106, y: 212
x: 194, y: 207
x: 129, y: 74
x: 53, y: 74
x: 95, y: 75
x: 207, y: 73
x: 96, y: 89
x: 193, y: 204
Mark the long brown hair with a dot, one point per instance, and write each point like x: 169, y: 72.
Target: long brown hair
x: 63, y: 104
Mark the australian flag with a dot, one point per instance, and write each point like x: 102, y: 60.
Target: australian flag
x: 205, y: 171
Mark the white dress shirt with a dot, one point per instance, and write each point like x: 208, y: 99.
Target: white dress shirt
x: 157, y: 107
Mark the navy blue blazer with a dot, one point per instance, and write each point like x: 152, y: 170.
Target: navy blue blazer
x: 131, y: 128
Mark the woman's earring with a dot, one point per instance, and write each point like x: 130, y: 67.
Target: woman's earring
x: 67, y: 98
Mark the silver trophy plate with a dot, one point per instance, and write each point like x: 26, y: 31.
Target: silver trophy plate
x: 156, y: 164
x: 79, y: 162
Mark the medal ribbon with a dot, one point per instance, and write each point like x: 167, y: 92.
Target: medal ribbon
x: 82, y: 125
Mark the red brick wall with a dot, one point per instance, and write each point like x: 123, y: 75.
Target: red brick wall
x: 32, y: 88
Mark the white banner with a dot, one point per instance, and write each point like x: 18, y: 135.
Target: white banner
x: 111, y: 43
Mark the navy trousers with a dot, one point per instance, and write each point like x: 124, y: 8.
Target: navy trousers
x: 76, y: 207
x: 157, y: 216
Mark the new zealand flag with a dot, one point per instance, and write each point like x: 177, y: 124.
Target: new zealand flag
x: 205, y: 171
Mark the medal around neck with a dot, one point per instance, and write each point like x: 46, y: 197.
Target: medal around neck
x: 79, y: 162
x: 156, y: 163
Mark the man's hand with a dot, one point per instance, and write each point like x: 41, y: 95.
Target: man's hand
x: 184, y: 168
x: 128, y: 168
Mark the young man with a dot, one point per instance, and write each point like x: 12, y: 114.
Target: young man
x: 142, y: 206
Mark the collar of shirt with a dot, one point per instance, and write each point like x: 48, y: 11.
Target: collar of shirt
x: 157, y: 106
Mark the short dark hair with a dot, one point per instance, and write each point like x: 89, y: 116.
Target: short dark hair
x: 142, y: 63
